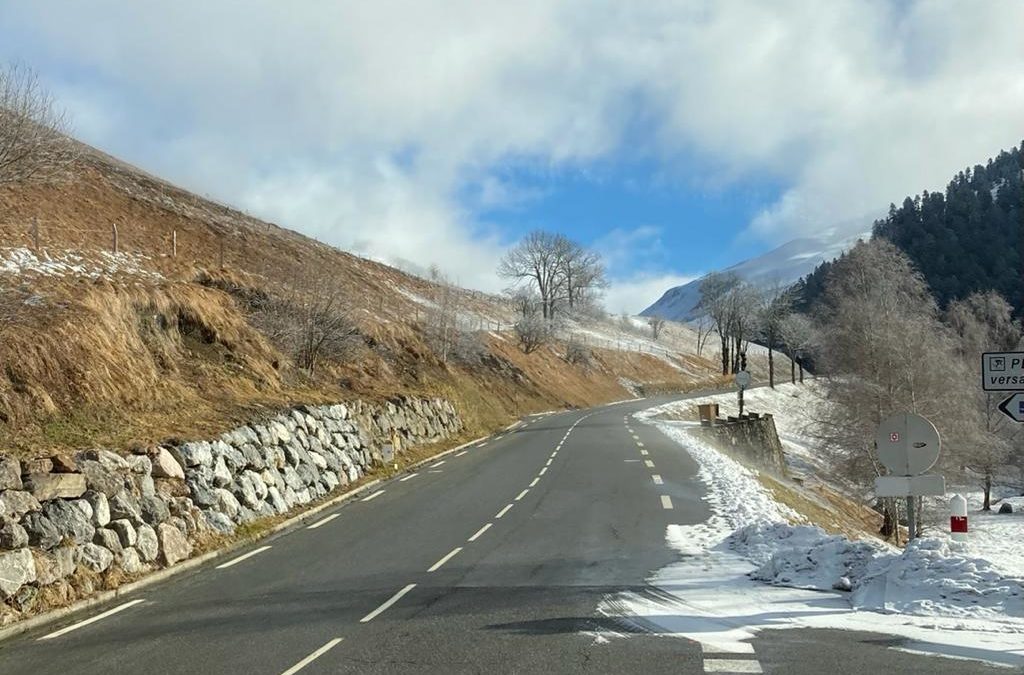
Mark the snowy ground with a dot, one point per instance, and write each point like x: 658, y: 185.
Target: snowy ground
x: 23, y: 262
x: 753, y: 566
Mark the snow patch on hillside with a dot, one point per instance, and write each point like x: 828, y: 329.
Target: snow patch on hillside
x: 95, y: 265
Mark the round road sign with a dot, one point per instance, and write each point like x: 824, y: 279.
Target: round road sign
x: 908, y: 444
x: 743, y: 379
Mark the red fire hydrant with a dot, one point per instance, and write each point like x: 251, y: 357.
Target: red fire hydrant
x: 958, y: 518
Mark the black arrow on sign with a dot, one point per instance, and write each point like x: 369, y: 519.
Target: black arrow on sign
x: 1005, y: 408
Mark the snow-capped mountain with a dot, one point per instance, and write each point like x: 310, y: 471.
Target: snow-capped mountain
x: 780, y: 266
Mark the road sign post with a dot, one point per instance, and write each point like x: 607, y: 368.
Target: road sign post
x: 908, y: 445
x: 743, y: 380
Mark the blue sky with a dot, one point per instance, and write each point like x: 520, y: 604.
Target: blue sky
x: 676, y: 137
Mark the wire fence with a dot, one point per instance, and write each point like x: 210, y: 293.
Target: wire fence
x: 461, y: 322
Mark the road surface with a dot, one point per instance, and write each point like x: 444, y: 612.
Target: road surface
x: 491, y: 560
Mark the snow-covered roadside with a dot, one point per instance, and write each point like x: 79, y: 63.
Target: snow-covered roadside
x: 748, y: 568
x: 996, y: 538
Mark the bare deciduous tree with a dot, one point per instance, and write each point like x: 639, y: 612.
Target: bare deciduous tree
x: 33, y: 131
x: 983, y: 322
x: 310, y: 321
x: 533, y: 332
x: 715, y: 303
x: 702, y: 324
x: 881, y: 339
x: 656, y: 323
x: 564, y: 274
x: 776, y: 306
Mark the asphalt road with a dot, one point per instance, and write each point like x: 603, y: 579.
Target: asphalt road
x: 492, y: 560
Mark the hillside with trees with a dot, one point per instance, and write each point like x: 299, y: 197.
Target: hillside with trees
x: 965, y: 240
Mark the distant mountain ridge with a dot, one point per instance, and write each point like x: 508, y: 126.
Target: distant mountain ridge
x: 781, y: 266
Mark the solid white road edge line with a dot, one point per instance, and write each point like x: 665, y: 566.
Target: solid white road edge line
x: 405, y: 478
x: 86, y: 622
x: 436, y: 566
x: 383, y: 608
x: 715, y: 665
x: 666, y: 502
x: 522, y: 494
x: 504, y: 511
x: 657, y: 479
x: 312, y: 657
x: 324, y: 521
x: 376, y: 494
x: 235, y: 561
x: 480, y: 531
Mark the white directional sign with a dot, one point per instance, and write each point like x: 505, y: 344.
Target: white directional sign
x: 1013, y: 407
x: 907, y: 444
x: 743, y: 379
x: 1002, y: 371
x: 916, y: 486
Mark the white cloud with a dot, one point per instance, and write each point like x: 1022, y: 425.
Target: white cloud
x: 364, y: 123
x: 632, y: 295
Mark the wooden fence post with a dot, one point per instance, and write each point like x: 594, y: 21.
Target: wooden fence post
x: 222, y: 251
x: 174, y: 243
x: 113, y: 227
x: 35, y: 233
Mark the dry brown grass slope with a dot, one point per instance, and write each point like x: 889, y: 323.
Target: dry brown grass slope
x: 143, y: 346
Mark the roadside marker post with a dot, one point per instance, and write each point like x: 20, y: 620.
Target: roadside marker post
x: 958, y: 518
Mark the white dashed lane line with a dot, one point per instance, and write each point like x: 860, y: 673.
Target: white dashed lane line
x: 376, y: 494
x: 437, y: 464
x: 649, y: 464
x: 522, y: 494
x: 312, y: 657
x: 462, y: 453
x: 86, y: 622
x: 504, y: 511
x: 436, y: 566
x: 480, y: 532
x: 534, y: 482
x: 390, y: 601
x: 657, y: 479
x: 644, y: 453
x: 235, y: 561
x: 666, y: 502
x: 321, y: 523
x: 405, y: 478
x: 543, y: 471
x: 715, y: 665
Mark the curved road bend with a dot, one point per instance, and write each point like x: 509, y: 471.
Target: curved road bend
x: 492, y: 560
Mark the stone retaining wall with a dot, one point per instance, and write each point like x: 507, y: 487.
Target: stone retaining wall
x: 752, y: 438
x: 68, y: 524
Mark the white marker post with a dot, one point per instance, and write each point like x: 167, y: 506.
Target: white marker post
x: 958, y: 518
